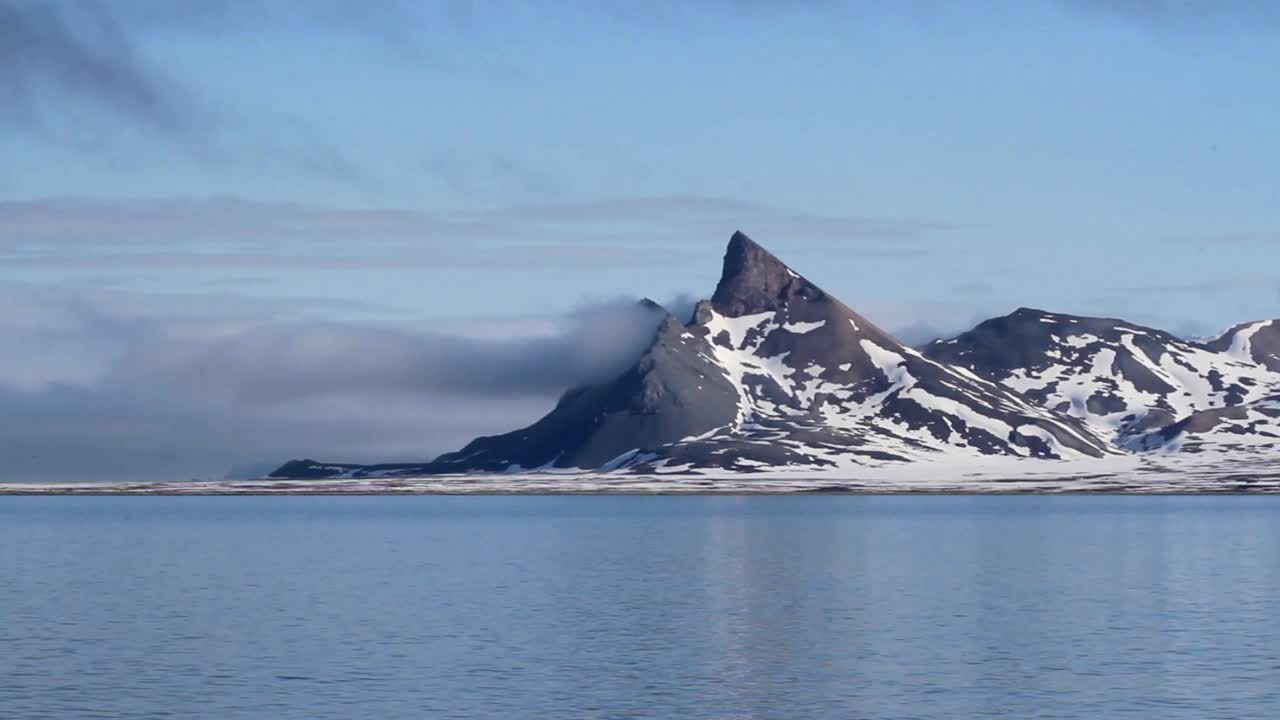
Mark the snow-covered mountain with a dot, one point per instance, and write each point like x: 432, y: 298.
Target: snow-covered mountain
x: 1123, y: 379
x: 774, y: 372
x: 820, y: 385
x: 1255, y: 342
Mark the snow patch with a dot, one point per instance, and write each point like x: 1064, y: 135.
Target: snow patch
x: 802, y: 328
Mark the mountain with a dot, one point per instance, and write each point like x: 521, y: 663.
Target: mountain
x: 773, y: 372
x: 1247, y: 431
x: 1119, y: 377
x: 1256, y: 342
x: 1124, y: 380
x: 819, y: 380
x: 770, y: 371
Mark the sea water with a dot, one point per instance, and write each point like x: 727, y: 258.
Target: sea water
x: 304, y: 608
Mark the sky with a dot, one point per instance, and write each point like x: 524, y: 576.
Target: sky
x: 234, y: 232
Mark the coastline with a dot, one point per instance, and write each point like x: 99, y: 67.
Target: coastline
x: 1108, y: 477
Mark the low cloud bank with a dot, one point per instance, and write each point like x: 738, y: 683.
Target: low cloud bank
x: 91, y: 389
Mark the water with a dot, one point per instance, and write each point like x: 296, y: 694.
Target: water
x: 608, y: 607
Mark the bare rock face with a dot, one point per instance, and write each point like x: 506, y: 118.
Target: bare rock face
x: 754, y: 281
x: 773, y: 371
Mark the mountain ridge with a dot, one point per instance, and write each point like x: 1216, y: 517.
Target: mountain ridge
x: 1123, y: 379
x: 772, y: 371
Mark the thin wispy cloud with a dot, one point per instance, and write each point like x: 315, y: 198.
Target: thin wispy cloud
x: 73, y: 75
x: 1206, y: 287
x: 1261, y: 239
x: 236, y: 233
x: 392, y: 21
x: 709, y: 216
x: 48, y: 58
x: 1194, y: 15
x: 90, y: 220
x: 515, y: 256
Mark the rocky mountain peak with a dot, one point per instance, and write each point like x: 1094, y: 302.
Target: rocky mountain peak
x: 1029, y: 313
x: 651, y: 305
x: 754, y: 281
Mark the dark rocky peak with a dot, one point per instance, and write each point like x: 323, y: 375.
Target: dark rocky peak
x: 659, y: 315
x: 1030, y: 314
x: 755, y: 281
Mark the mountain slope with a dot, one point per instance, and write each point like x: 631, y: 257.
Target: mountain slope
x: 1123, y: 379
x: 1251, y: 429
x: 1256, y: 342
x: 673, y: 392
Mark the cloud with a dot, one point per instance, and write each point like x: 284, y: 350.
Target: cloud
x: 74, y: 219
x: 1184, y: 14
x: 1160, y: 15
x: 233, y: 233
x: 700, y: 211
x: 1201, y: 288
x: 1245, y: 240
x: 73, y: 75
x: 47, y: 57
x: 281, y: 363
x: 95, y: 386
x: 85, y: 53
x: 392, y: 22
x: 237, y: 234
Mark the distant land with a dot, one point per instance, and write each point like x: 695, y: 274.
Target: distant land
x: 773, y: 374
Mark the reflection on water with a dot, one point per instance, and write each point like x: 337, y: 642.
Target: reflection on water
x: 606, y: 607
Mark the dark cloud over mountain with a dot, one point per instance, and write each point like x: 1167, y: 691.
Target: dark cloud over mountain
x: 91, y: 387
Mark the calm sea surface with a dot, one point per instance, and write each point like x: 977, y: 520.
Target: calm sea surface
x: 626, y: 607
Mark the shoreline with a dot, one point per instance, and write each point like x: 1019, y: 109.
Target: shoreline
x: 1153, y: 476
x: 1269, y: 487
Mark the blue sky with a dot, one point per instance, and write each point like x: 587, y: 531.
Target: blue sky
x: 484, y: 169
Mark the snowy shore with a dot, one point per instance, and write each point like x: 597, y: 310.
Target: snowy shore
x: 1162, y: 474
